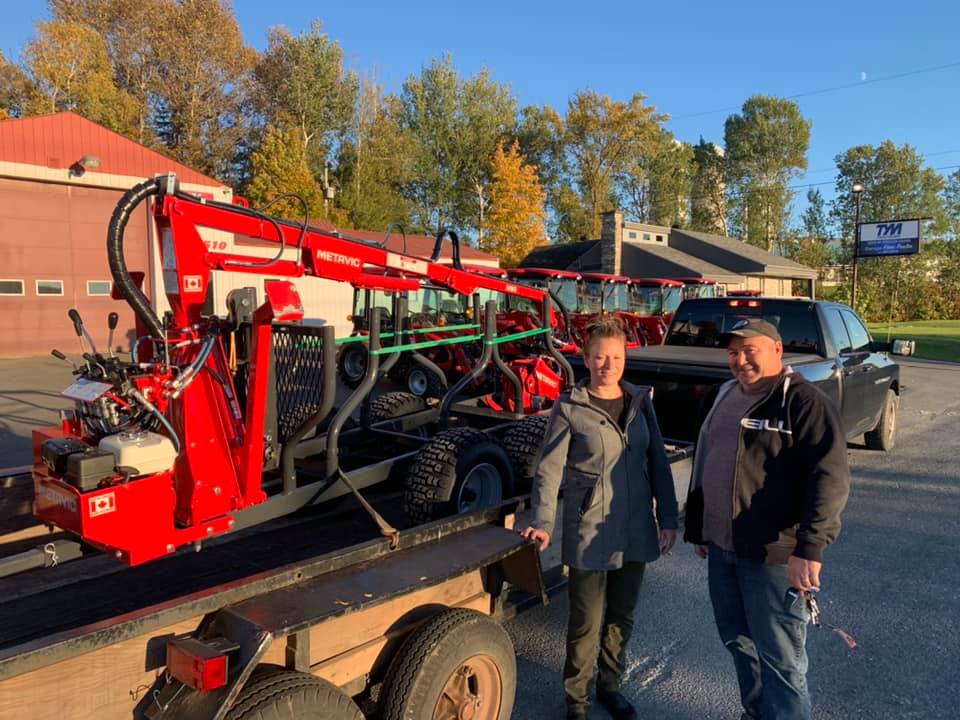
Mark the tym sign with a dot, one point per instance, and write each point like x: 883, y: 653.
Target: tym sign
x: 894, y: 237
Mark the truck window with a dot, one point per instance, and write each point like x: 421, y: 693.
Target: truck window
x: 837, y: 330
x: 859, y: 337
x: 708, y: 324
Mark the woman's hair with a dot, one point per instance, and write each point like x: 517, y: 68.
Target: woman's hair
x: 604, y: 327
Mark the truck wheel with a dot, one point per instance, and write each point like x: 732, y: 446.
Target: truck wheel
x: 459, y: 664
x: 459, y: 470
x: 352, y: 364
x: 393, y: 405
x: 522, y: 442
x: 884, y: 435
x: 273, y: 692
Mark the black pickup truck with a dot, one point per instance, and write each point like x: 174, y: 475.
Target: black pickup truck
x: 824, y: 342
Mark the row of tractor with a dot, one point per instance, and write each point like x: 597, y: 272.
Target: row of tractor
x: 645, y: 306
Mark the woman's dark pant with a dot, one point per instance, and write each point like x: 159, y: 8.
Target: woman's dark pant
x: 601, y: 622
x: 764, y: 631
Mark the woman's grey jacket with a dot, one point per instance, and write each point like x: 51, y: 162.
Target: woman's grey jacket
x: 610, y: 479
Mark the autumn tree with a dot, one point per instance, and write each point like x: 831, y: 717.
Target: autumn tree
x: 376, y: 161
x: 279, y: 166
x: 69, y: 69
x: 302, y: 82
x: 766, y: 147
x: 601, y: 136
x: 15, y: 88
x: 517, y: 215
x: 708, y: 189
x: 456, y: 125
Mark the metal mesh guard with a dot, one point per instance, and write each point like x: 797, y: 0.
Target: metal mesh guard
x: 298, y: 363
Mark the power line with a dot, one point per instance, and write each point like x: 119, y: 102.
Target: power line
x: 831, y: 182
x: 835, y: 88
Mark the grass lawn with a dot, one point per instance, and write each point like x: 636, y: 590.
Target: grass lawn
x: 936, y: 339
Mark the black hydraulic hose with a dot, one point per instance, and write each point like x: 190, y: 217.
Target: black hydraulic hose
x: 118, y: 266
x: 454, y: 245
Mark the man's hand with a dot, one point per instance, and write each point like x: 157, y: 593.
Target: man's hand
x: 804, y: 574
x: 541, y: 536
x: 667, y: 539
x: 700, y: 551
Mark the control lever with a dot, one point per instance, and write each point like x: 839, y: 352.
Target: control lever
x: 60, y: 356
x: 81, y: 330
x: 112, y: 320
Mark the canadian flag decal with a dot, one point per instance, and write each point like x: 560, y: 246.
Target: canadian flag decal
x: 102, y: 504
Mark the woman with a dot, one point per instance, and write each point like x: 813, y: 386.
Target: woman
x: 603, y: 443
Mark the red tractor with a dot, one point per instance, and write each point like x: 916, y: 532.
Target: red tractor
x: 179, y: 444
x: 654, y: 300
x: 699, y: 287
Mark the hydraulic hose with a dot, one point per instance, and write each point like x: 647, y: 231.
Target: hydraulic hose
x: 118, y: 266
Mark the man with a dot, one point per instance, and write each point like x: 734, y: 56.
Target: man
x: 770, y: 479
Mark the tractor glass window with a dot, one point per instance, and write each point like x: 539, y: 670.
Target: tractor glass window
x: 615, y: 297
x: 452, y: 308
x: 11, y: 287
x: 672, y: 297
x: 566, y: 291
x: 590, y: 296
x: 646, y: 300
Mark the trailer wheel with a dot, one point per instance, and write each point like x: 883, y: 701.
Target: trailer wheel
x: 459, y: 664
x: 392, y: 405
x: 884, y: 435
x: 522, y: 442
x: 459, y: 470
x: 273, y: 692
x: 352, y: 364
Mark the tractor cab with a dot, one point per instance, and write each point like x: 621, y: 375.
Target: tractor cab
x: 699, y: 287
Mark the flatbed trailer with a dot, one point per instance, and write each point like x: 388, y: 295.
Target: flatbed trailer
x: 319, y: 595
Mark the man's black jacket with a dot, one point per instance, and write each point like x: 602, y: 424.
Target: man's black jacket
x: 792, y: 478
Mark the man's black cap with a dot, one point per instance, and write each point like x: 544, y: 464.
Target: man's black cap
x: 756, y: 327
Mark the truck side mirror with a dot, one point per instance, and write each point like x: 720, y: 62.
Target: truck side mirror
x: 903, y: 347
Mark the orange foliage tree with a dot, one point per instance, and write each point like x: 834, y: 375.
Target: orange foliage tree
x: 516, y: 222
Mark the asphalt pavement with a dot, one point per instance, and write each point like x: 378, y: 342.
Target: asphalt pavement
x: 892, y: 581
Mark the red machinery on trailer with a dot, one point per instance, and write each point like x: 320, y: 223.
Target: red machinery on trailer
x: 699, y: 287
x: 172, y: 448
x: 654, y: 301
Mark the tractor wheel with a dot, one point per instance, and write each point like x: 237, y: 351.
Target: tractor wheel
x: 522, y: 442
x: 273, y: 692
x: 459, y: 470
x: 420, y: 381
x: 393, y: 405
x: 459, y: 664
x: 884, y: 435
x: 352, y: 364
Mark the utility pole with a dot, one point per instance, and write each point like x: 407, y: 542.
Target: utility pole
x: 857, y: 194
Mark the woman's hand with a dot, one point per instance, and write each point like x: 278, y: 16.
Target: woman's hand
x: 541, y: 536
x: 667, y: 539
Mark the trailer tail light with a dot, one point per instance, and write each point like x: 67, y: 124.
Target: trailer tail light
x: 200, y: 664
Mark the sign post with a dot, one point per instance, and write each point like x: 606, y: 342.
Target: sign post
x: 884, y: 239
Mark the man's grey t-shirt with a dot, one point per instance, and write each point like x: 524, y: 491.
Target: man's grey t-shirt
x: 723, y: 433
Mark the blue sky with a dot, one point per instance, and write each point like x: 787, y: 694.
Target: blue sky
x: 696, y: 61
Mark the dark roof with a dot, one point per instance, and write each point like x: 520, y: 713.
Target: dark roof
x: 658, y: 260
x: 737, y: 256
x: 58, y: 141
x: 563, y: 256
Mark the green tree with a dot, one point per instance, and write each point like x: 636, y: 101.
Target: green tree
x: 279, y: 166
x: 517, y: 214
x: 457, y: 126
x: 654, y: 187
x: 302, y: 82
x: 69, y: 69
x: 814, y: 217
x: 951, y: 202
x: 376, y: 161
x: 601, y: 136
x: 766, y: 146
x: 896, y: 184
x: 540, y: 134
x: 708, y: 189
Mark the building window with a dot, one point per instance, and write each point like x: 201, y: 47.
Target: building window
x: 632, y: 235
x: 659, y: 238
x: 49, y: 287
x: 99, y: 287
x: 646, y: 236
x: 11, y: 287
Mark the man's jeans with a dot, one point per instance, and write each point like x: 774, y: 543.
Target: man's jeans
x: 764, y: 632
x: 602, y: 603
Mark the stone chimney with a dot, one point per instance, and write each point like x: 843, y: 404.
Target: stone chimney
x: 611, y: 242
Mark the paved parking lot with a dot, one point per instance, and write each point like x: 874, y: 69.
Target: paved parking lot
x: 892, y: 580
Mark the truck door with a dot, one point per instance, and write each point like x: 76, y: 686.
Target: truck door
x: 843, y: 389
x: 869, y: 395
